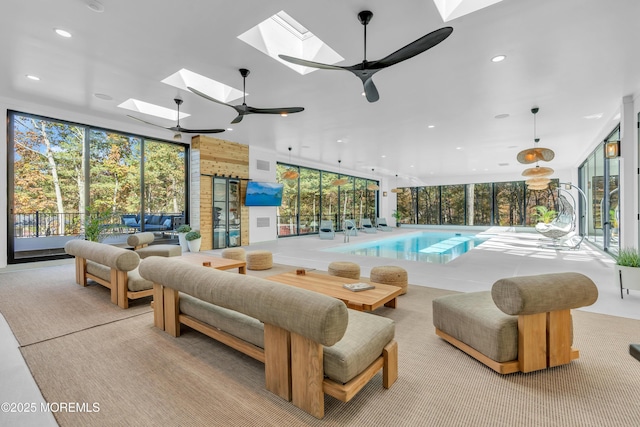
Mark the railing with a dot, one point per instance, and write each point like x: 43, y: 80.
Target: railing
x: 45, y: 224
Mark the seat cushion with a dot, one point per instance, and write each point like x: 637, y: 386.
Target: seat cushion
x: 229, y: 321
x: 159, y: 250
x: 99, y: 270
x: 138, y: 283
x: 366, y: 336
x: 475, y: 320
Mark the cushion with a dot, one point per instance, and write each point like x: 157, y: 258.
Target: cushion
x: 140, y: 239
x: 366, y: 336
x: 159, y: 250
x: 130, y: 222
x: 99, y: 270
x: 229, y: 321
x: 167, y: 223
x: 137, y: 282
x: 475, y: 320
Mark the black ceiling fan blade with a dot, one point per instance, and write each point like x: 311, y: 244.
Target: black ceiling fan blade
x: 305, y: 63
x: 238, y: 119
x: 287, y: 110
x: 370, y: 90
x: 414, y: 48
x: 183, y: 130
x: 205, y: 96
x: 148, y: 123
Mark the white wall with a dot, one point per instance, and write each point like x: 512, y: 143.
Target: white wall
x: 262, y: 234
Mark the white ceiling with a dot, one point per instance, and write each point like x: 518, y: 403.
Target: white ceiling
x: 572, y: 58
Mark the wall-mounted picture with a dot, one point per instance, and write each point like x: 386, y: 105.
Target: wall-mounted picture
x: 263, y: 194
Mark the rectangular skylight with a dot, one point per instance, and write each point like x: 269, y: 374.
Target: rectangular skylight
x: 184, y: 78
x: 152, y: 109
x: 452, y: 9
x: 281, y: 34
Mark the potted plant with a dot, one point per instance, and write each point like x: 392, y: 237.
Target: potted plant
x: 397, y: 217
x: 194, y: 239
x: 97, y: 227
x: 627, y: 270
x: 544, y: 214
x: 182, y: 232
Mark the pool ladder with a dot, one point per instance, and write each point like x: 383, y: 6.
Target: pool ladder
x: 349, y: 226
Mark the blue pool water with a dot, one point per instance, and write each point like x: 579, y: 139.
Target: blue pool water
x: 435, y: 247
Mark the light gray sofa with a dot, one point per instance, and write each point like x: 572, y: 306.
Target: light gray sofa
x: 310, y: 343
x: 113, y: 267
x: 523, y: 324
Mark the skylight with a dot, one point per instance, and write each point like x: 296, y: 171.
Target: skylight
x: 452, y: 9
x: 151, y: 109
x: 220, y: 91
x: 280, y: 34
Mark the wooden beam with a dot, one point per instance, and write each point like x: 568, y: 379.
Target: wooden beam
x: 158, y: 306
x: 532, y: 341
x: 345, y: 392
x: 390, y: 368
x: 277, y: 357
x: 307, y: 372
x: 559, y: 337
x: 121, y: 283
x: 171, y: 311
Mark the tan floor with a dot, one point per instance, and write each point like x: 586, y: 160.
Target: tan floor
x: 505, y: 254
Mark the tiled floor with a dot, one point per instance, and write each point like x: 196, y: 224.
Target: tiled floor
x: 505, y: 254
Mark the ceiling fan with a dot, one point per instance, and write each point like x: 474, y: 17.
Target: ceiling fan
x: 179, y: 129
x: 244, y: 109
x: 366, y: 69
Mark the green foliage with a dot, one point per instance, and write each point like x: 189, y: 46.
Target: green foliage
x: 628, y: 257
x: 184, y: 228
x: 544, y: 214
x: 396, y: 215
x: 193, y: 235
x: 96, y: 226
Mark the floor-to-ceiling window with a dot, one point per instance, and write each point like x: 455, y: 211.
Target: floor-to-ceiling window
x: 316, y: 195
x: 63, y: 174
x: 599, y: 178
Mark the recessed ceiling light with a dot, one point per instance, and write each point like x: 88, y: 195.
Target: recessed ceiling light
x: 95, y: 6
x: 594, y: 116
x: 503, y: 164
x: 412, y: 166
x: 103, y: 96
x: 363, y: 94
x: 502, y: 116
x: 458, y: 148
x: 229, y: 129
x: 383, y: 156
x: 32, y: 77
x: 305, y: 146
x: 62, y: 33
x: 339, y: 140
x: 431, y: 126
x: 498, y: 58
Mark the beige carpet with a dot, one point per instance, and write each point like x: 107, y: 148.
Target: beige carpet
x: 141, y: 376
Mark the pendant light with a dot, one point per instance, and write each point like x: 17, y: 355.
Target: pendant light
x: 339, y: 181
x: 396, y: 189
x: 290, y: 174
x: 372, y: 186
x: 537, y: 172
x: 535, y: 154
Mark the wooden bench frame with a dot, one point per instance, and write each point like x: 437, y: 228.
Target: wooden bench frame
x: 118, y: 284
x: 544, y: 341
x: 293, y: 364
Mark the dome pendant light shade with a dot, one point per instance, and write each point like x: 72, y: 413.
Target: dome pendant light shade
x: 535, y: 154
x: 373, y: 186
x: 539, y: 187
x: 290, y: 174
x: 340, y: 181
x: 537, y: 181
x: 537, y: 172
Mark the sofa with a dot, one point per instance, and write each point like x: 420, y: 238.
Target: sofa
x: 152, y: 222
x: 113, y: 267
x: 310, y: 343
x: 523, y: 324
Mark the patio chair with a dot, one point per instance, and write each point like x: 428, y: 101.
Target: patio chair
x: 367, y: 227
x: 562, y: 225
x: 381, y: 224
x: 326, y: 230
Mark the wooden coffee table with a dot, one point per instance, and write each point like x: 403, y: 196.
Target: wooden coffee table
x: 368, y: 300
x: 216, y: 262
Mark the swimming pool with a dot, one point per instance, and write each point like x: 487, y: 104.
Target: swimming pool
x: 434, y: 247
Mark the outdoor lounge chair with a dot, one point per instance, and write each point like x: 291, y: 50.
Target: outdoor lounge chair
x: 381, y: 224
x: 367, y: 227
x: 326, y: 230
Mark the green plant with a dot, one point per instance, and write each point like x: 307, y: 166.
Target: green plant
x: 193, y: 235
x: 96, y: 226
x: 396, y: 215
x: 628, y: 257
x: 184, y: 228
x: 544, y: 214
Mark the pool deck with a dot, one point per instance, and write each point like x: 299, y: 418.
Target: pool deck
x: 506, y: 254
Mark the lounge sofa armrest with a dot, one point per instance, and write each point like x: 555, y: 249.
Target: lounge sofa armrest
x: 543, y: 293
x: 317, y: 317
x: 140, y: 239
x: 111, y: 256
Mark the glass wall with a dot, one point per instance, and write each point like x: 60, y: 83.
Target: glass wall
x: 64, y: 175
x: 503, y: 203
x: 314, y: 196
x: 599, y: 177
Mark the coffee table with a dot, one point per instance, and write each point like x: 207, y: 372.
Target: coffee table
x: 368, y: 300
x: 216, y: 262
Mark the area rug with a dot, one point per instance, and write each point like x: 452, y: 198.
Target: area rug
x: 138, y: 375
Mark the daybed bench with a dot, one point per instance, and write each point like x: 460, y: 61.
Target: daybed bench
x: 523, y: 324
x: 310, y: 343
x: 113, y: 267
